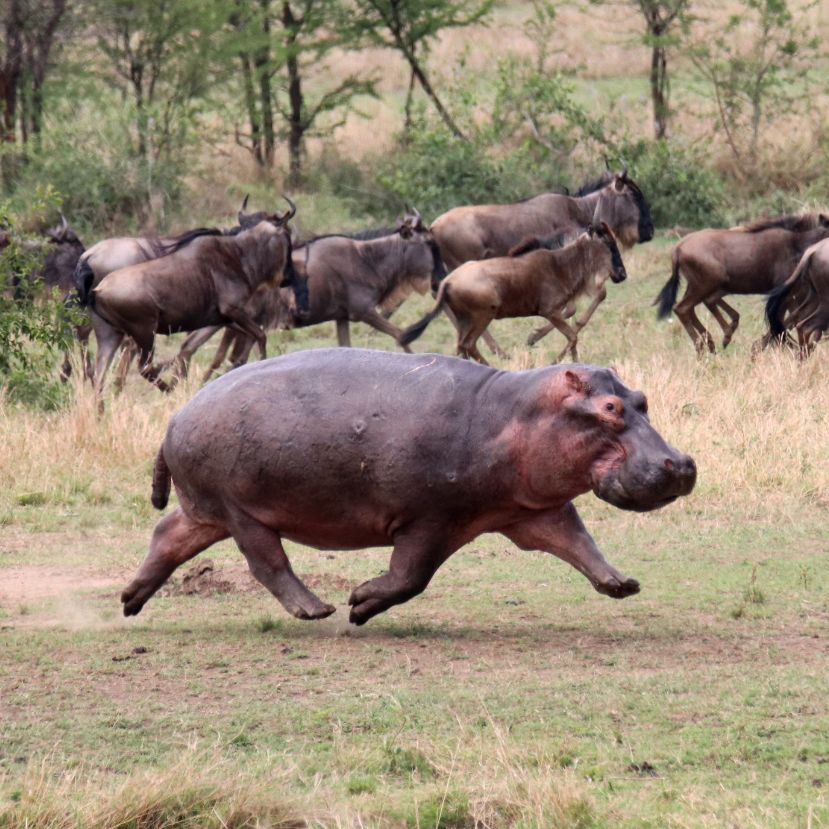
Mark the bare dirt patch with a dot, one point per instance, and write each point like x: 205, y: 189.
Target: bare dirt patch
x: 34, y: 584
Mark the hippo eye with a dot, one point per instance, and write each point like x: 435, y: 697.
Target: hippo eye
x: 609, y: 407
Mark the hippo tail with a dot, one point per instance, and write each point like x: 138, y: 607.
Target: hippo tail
x: 667, y: 296
x: 411, y: 333
x: 161, y: 481
x: 84, y: 277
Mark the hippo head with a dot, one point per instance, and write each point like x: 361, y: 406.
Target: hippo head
x: 632, y: 466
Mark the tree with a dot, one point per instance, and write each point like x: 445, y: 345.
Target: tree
x: 754, y: 66
x: 661, y: 17
x: 160, y: 56
x: 410, y: 27
x: 281, y: 47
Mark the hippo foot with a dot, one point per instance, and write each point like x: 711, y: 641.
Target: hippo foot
x: 362, y: 612
x: 131, y: 601
x: 618, y: 589
x: 318, y: 611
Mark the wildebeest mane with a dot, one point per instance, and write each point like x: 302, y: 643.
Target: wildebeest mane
x: 531, y: 243
x: 368, y: 235
x: 797, y: 223
x: 596, y: 184
x: 184, y: 239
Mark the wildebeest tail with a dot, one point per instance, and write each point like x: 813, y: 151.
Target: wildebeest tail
x: 415, y: 330
x: 667, y: 296
x: 161, y: 481
x: 438, y: 266
x: 777, y: 298
x: 84, y: 277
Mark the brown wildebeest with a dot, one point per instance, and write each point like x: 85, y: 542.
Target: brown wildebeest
x: 207, y: 283
x: 753, y: 259
x: 110, y: 255
x: 346, y: 450
x: 482, y: 231
x: 532, y: 281
x: 804, y: 299
x: 349, y: 278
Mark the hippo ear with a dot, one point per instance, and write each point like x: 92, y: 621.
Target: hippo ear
x: 574, y: 383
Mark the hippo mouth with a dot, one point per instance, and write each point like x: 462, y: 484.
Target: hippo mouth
x: 644, y: 497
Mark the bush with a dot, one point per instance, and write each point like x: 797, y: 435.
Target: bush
x: 680, y: 189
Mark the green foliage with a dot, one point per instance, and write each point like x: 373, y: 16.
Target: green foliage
x: 33, y: 325
x: 680, y: 188
x: 755, y: 66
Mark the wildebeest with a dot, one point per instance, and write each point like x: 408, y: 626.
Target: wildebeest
x: 482, y: 231
x: 55, y: 275
x: 348, y: 278
x: 802, y: 301
x: 206, y: 283
x: 113, y: 254
x: 532, y: 280
x: 424, y: 452
x: 753, y: 259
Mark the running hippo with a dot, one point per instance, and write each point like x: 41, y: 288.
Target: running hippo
x: 345, y: 448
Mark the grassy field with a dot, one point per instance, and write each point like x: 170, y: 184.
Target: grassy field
x: 509, y: 694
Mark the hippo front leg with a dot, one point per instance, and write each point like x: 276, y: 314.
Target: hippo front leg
x: 562, y: 533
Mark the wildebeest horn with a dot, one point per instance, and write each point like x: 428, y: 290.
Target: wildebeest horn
x: 243, y: 208
x: 63, y: 223
x: 290, y: 213
x: 607, y: 163
x: 416, y: 214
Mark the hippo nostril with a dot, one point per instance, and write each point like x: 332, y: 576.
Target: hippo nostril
x: 669, y: 465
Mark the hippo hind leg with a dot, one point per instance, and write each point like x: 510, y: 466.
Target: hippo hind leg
x: 176, y: 539
x: 262, y: 547
x: 414, y: 560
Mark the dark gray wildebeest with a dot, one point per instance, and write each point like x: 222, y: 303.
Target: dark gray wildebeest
x: 802, y: 301
x: 113, y: 254
x: 483, y: 231
x: 349, y: 278
x: 423, y: 452
x: 209, y: 282
x: 532, y: 281
x: 754, y: 259
x: 397, y: 278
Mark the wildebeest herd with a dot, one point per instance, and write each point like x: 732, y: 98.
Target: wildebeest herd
x: 331, y: 448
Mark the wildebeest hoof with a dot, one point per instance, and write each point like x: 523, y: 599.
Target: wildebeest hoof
x: 617, y: 589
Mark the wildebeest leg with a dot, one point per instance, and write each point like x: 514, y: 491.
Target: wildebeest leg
x: 569, y: 332
x: 128, y: 354
x: 417, y: 554
x: 242, y: 346
x: 716, y: 305
x: 176, y: 539
x: 470, y: 341
x: 684, y: 311
x: 247, y: 325
x: 194, y: 341
x: 492, y: 345
x: 146, y: 344
x: 343, y: 334
x: 108, y: 339
x: 545, y: 329
x: 600, y: 297
x: 262, y: 547
x: 562, y: 533
x: 221, y: 353
x: 376, y: 321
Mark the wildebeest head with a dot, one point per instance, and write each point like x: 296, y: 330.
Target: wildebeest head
x: 62, y: 234
x: 634, y: 468
x: 605, y: 235
x: 412, y: 227
x: 249, y: 220
x: 622, y: 205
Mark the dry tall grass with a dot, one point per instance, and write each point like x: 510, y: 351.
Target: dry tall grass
x: 757, y: 430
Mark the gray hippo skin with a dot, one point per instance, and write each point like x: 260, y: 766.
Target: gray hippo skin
x: 346, y: 448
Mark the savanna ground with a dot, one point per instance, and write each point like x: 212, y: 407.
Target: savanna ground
x: 508, y: 694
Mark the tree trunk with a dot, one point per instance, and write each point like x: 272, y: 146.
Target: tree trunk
x: 296, y: 123
x: 407, y: 120
x: 263, y: 70
x: 250, y: 105
x: 659, y: 91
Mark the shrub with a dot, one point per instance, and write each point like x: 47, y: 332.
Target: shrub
x: 680, y: 189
